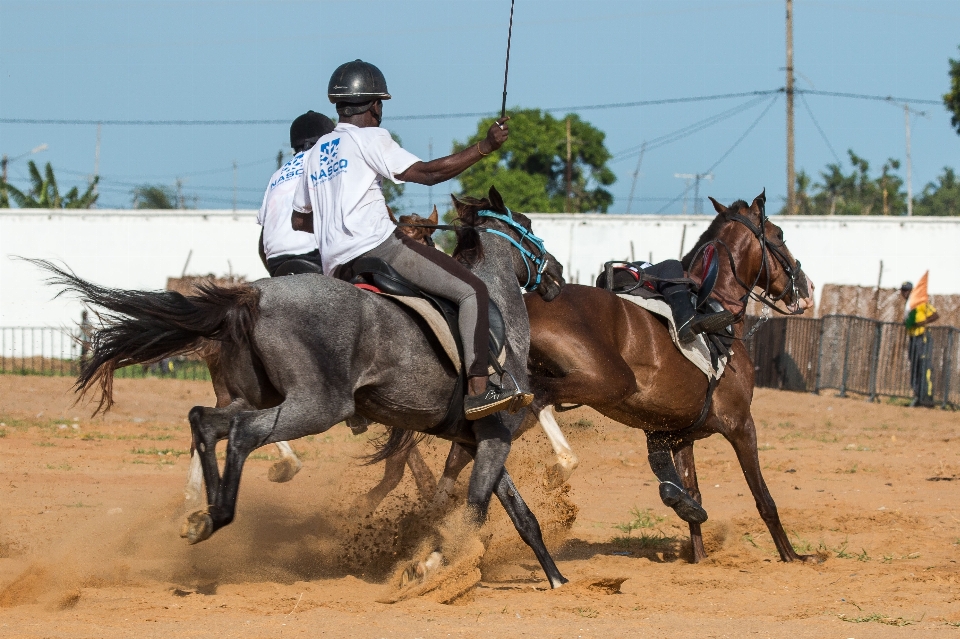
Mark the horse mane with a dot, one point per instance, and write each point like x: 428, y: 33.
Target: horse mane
x: 713, y: 231
x: 469, y: 248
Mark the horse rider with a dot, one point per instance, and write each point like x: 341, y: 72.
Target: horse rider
x: 667, y: 278
x: 285, y: 250
x: 341, y: 189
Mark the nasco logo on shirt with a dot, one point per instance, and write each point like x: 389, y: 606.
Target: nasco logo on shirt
x: 328, y: 157
x: 290, y: 170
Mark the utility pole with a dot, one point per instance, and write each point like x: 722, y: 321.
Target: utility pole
x: 569, y: 177
x: 791, y: 177
x: 279, y: 159
x: 4, y: 163
x: 180, y: 202
x: 906, y: 117
x: 636, y: 174
x: 234, y: 186
x: 696, y: 177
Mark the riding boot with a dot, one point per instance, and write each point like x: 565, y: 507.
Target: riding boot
x: 688, y: 321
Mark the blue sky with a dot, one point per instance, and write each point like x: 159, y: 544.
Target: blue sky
x: 134, y: 59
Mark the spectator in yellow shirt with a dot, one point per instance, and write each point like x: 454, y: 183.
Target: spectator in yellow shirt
x: 916, y: 320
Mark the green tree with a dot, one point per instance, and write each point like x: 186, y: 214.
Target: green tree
x: 530, y: 169
x: 393, y: 192
x: 45, y: 194
x: 154, y: 196
x: 952, y: 99
x: 855, y: 193
x: 941, y: 198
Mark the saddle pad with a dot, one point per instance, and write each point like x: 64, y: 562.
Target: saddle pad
x: 435, y: 321
x: 696, y: 351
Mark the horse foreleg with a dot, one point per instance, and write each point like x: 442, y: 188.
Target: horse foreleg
x: 683, y: 457
x: 567, y: 461
x: 194, y: 488
x: 744, y: 442
x: 457, y: 460
x: 672, y: 492
x: 529, y: 528
x: 286, y: 468
x: 422, y: 475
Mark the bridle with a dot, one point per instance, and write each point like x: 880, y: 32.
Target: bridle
x: 537, y: 260
x: 766, y: 248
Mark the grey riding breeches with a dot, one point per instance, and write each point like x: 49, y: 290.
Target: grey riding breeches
x: 439, y: 274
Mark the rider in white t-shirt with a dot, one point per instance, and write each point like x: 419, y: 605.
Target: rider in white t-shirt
x: 285, y: 250
x: 341, y: 187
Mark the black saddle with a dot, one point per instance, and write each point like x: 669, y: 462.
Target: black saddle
x: 375, y: 272
x: 296, y: 266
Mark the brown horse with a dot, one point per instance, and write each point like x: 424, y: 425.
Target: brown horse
x: 589, y: 346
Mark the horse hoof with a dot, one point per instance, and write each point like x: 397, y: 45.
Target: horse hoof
x: 812, y: 559
x: 683, y: 504
x: 418, y: 571
x: 197, y: 527
x: 284, y: 470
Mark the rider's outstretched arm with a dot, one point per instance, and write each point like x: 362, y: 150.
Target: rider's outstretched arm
x: 443, y: 169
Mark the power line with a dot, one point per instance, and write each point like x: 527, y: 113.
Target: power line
x: 433, y: 116
x: 817, y: 124
x: 862, y: 96
x: 726, y: 154
x: 474, y: 114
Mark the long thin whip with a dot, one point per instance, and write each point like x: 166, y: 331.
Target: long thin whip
x: 506, y: 69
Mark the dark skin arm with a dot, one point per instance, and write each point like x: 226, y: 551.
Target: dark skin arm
x: 930, y: 320
x: 441, y: 169
x: 263, y: 254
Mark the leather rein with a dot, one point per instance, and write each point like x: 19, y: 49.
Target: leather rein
x: 535, y: 259
x: 766, y: 248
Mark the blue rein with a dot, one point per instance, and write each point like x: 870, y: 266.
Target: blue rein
x: 539, y: 260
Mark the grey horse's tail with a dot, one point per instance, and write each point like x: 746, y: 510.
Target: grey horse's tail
x: 142, y: 327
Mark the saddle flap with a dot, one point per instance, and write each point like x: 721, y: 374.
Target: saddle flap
x: 375, y: 271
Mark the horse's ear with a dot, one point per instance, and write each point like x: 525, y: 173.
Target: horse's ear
x: 719, y: 208
x: 496, y: 200
x: 760, y: 202
x: 390, y: 213
x: 434, y: 217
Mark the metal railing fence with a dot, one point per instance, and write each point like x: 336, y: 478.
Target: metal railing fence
x: 850, y: 354
x: 32, y: 350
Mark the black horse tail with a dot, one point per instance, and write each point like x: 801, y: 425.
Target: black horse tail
x: 142, y: 327
x: 396, y: 441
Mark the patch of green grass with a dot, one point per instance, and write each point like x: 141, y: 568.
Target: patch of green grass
x: 801, y: 545
x: 63, y: 466
x: 645, y: 518
x: 44, y: 443
x: 747, y: 537
x: 95, y: 436
x: 878, y: 618
x: 176, y: 452
x: 584, y: 424
x: 589, y: 613
x: 263, y: 457
x: 3, y: 433
x: 887, y: 559
x: 842, y: 553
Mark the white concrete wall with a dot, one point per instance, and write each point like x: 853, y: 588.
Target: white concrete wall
x: 126, y: 249
x: 141, y: 249
x: 836, y: 250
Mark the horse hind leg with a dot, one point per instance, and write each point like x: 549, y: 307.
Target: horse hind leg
x: 567, y: 461
x: 208, y: 426
x: 744, y: 442
x: 392, y: 474
x: 422, y: 475
x: 683, y: 457
x: 287, y: 467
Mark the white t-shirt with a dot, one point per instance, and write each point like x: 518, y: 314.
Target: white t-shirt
x: 341, y: 186
x: 279, y: 238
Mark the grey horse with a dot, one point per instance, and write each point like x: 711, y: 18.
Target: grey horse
x: 303, y: 353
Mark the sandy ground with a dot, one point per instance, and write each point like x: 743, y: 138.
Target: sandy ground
x: 91, y: 510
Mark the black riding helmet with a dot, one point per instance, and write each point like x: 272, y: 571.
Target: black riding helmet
x: 356, y: 86
x: 308, y: 128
